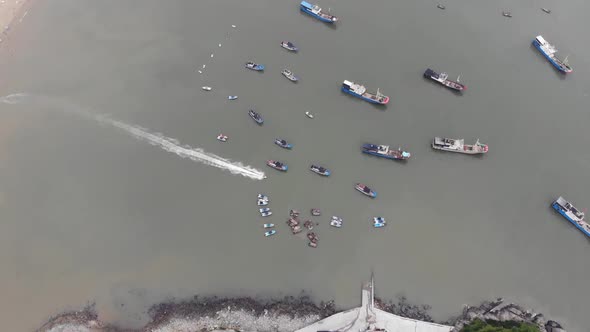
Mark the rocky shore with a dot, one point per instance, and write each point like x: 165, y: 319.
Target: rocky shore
x: 283, y: 315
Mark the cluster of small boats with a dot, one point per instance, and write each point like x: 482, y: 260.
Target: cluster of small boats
x: 265, y: 212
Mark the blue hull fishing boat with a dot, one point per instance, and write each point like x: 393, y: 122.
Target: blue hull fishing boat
x: 384, y: 151
x: 289, y: 46
x: 569, y: 212
x: 284, y: 144
x: 279, y: 166
x: 549, y: 52
x: 360, y: 91
x: 365, y: 190
x: 254, y: 66
x: 317, y: 12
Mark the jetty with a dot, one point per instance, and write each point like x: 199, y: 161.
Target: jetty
x: 367, y: 318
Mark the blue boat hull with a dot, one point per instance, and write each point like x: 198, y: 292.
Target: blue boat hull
x: 379, y: 155
x: 557, y: 208
x: 549, y: 58
x: 359, y: 96
x: 307, y: 11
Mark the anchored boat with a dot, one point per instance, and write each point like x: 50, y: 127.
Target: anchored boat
x: 222, y: 138
x: 365, y: 190
x: 256, y: 117
x: 316, y: 212
x: 569, y: 212
x: 232, y: 97
x: 289, y: 46
x: 262, y: 202
x: 269, y: 225
x: 549, y: 52
x: 384, y: 151
x: 317, y: 12
x: 254, y: 66
x: 284, y: 144
x: 279, y: 166
x: 289, y: 75
x: 270, y: 233
x: 443, y: 78
x: 379, y: 222
x: 320, y: 170
x: 360, y: 91
x: 458, y: 145
x: 263, y: 197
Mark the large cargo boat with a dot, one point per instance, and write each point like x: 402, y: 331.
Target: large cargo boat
x: 549, y: 51
x: 360, y: 91
x: 569, y: 212
x: 317, y: 12
x: 384, y: 151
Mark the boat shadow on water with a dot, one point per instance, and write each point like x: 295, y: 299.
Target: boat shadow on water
x: 333, y: 26
x: 541, y: 57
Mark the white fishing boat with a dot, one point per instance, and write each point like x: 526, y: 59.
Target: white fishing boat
x: 309, y: 115
x: 206, y: 88
x: 222, y: 138
x: 458, y: 145
x: 270, y: 233
x: 269, y: 225
x: 262, y: 202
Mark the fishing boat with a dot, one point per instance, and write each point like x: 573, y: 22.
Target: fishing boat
x: 270, y: 233
x: 309, y: 115
x: 546, y: 10
x: 284, y: 144
x: 316, y: 212
x: 256, y: 117
x: 312, y: 244
x: 254, y: 66
x: 378, y: 225
x: 308, y: 224
x: 458, y: 145
x: 206, y: 88
x: 262, y: 202
x: 279, y: 166
x: 232, y: 97
x: 294, y: 213
x: 336, y: 218
x: 266, y: 214
x: 312, y: 237
x: 384, y: 151
x: 262, y: 210
x: 222, y: 138
x: 443, y: 78
x: 360, y: 91
x: 289, y: 75
x: 336, y: 223
x: 269, y: 225
x: 365, y: 190
x: 317, y: 12
x: 506, y: 14
x: 439, y: 6
x: 289, y: 46
x: 263, y: 197
x: 320, y: 170
x: 549, y: 52
x: 573, y: 215
x: 379, y: 222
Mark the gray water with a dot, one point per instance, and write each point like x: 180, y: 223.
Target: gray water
x: 89, y: 213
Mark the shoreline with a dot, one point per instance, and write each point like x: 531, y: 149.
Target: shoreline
x: 278, y: 315
x: 11, y: 13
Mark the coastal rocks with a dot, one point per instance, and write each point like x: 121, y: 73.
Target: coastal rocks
x: 405, y: 309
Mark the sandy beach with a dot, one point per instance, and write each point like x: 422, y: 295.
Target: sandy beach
x: 11, y: 13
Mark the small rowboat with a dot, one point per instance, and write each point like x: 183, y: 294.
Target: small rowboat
x: 316, y: 212
x: 222, y: 138
x: 254, y: 66
x: 206, y: 88
x: 289, y: 46
x: 232, y: 97
x: 284, y: 144
x: 365, y: 190
x: 270, y: 233
x: 309, y: 115
x: 269, y: 225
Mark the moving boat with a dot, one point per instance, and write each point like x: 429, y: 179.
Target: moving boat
x: 320, y: 170
x: 289, y: 75
x: 266, y: 214
x: 379, y: 222
x: 269, y: 225
x: 384, y: 151
x: 256, y: 117
x: 549, y: 52
x: 279, y: 166
x: 309, y: 115
x: 263, y: 197
x: 269, y: 233
x: 222, y: 137
x: 458, y: 145
x: 262, y: 210
x: 254, y: 66
x: 284, y: 144
x: 573, y: 215
x: 442, y: 78
x: 289, y: 46
x: 317, y: 12
x: 360, y: 91
x: 206, y: 88
x: 262, y: 202
x: 365, y: 190
x: 316, y: 212
x: 232, y: 97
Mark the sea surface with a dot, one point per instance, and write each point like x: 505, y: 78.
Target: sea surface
x: 92, y: 211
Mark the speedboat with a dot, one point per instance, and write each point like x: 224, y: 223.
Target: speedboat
x: 256, y: 117
x: 360, y: 91
x: 365, y: 190
x: 458, y: 145
x: 384, y: 151
x: 279, y: 166
x: 317, y: 12
x: 336, y: 223
x: 266, y: 214
x: 284, y: 144
x: 443, y: 78
x: 289, y: 75
x: 254, y: 66
x: 270, y: 233
x: 269, y: 225
x: 206, y: 88
x: 309, y: 115
x: 289, y: 46
x: 262, y: 202
x: 222, y: 138
x: 316, y: 212
x: 232, y: 97
x: 320, y: 170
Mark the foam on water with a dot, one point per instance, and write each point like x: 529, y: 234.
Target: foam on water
x: 160, y: 140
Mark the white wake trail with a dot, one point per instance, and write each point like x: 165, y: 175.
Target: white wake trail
x: 159, y: 140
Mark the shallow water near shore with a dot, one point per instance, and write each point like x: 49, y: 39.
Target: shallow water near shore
x: 89, y: 212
